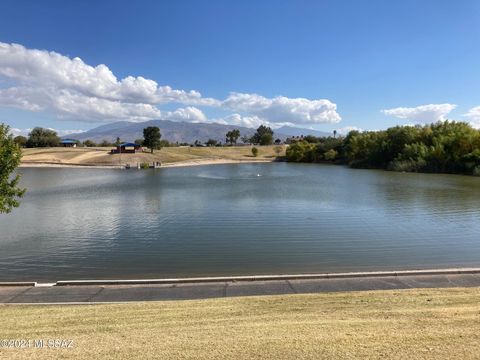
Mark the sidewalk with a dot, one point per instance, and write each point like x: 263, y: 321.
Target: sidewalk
x: 41, y: 294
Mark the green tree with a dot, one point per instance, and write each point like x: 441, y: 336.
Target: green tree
x: 139, y: 142
x: 151, y: 136
x: 20, y: 140
x: 40, y: 137
x: 105, y: 143
x: 10, y: 156
x: 254, y: 151
x: 326, y: 147
x: 166, y: 143
x: 232, y: 136
x: 263, y: 136
x: 211, y: 142
x: 89, y: 143
x: 311, y: 139
x: 266, y: 139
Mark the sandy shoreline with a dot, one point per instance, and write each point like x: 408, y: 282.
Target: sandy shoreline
x: 164, y: 165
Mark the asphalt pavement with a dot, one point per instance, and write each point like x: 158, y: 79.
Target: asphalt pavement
x: 99, y: 293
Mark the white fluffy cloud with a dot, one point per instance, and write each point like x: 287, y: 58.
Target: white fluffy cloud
x: 474, y: 116
x: 422, y: 114
x: 346, y: 129
x: 249, y: 121
x: 49, y: 69
x: 17, y: 131
x: 25, y: 132
x: 40, y: 80
x: 48, y: 81
x: 188, y: 114
x: 75, y: 105
x: 283, y: 109
x: 239, y: 120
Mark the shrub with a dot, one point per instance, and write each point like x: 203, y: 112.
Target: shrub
x: 254, y: 151
x: 105, y: 143
x: 20, y: 140
x: 330, y: 155
x: 409, y: 165
x: 89, y: 143
x: 301, y: 151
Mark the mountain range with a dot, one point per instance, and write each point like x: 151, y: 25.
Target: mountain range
x: 182, y: 132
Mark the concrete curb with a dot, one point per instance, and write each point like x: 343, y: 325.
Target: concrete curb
x: 18, y: 283
x: 271, y: 277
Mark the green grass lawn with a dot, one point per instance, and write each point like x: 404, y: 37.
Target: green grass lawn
x: 401, y: 324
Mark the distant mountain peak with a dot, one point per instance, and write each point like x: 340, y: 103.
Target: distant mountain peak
x: 182, y: 132
x: 296, y: 131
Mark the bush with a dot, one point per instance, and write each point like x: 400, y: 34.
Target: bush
x: 254, y: 151
x: 330, y: 155
x: 301, y: 151
x: 89, y: 143
x: 409, y: 165
x: 165, y: 143
x: 105, y: 143
x: 445, y: 147
x: 20, y: 140
x: 144, y: 166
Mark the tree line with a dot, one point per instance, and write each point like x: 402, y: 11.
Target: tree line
x: 442, y: 147
x: 42, y: 137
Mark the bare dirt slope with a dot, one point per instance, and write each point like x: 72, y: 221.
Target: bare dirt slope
x: 167, y: 156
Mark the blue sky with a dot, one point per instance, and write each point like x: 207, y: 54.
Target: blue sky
x: 418, y: 60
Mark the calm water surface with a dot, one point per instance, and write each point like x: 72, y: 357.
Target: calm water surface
x: 236, y: 220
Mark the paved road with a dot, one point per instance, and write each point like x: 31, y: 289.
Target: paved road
x: 183, y: 291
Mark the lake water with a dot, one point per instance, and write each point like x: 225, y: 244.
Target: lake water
x: 243, y: 219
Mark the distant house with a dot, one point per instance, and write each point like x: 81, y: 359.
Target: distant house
x: 127, y: 148
x: 68, y: 143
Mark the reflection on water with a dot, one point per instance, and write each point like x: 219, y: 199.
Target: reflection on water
x: 236, y: 219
